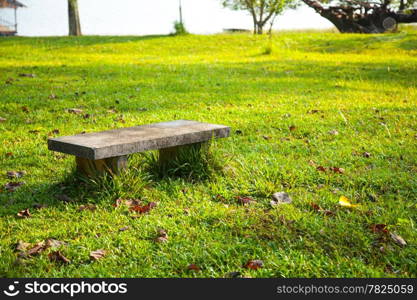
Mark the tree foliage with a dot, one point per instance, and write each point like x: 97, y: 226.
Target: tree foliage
x: 366, y: 16
x: 262, y: 11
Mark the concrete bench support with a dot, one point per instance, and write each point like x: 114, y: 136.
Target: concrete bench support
x: 107, y: 151
x: 111, y: 165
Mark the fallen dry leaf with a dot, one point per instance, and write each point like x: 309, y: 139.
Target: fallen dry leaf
x: 52, y: 243
x: 36, y: 249
x: 321, y: 169
x: 127, y: 202
x: 28, y: 75
x: 90, y: 207
x: 98, y: 254
x: 74, y: 110
x: 15, y: 174
x: 317, y: 208
x: 280, y: 198
x: 124, y: 228
x: 292, y: 128
x: 22, y: 246
x: 337, y: 170
x: 398, y: 239
x: 25, y: 109
x: 57, y: 256
x: 379, y: 228
x: 24, y: 213
x: 345, y: 202
x: 162, y: 236
x: 142, y: 209
x: 254, y: 264
x: 12, y: 186
x: 2, y: 120
x: 194, y: 268
x: 55, y: 131
x: 334, y: 132
x: 366, y: 154
x: 244, y: 200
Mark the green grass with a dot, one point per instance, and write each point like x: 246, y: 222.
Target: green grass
x: 363, y: 86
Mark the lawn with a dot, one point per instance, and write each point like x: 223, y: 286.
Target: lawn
x: 317, y: 115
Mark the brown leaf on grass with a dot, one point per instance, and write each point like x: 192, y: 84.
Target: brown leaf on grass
x: 22, y: 246
x: 244, y: 200
x: 321, y: 169
x: 313, y: 111
x: 28, y: 75
x: 75, y: 111
x: 334, y: 132
x: 55, y: 131
x: 317, y: 208
x: 9, y: 154
x: 12, y: 186
x: 9, y: 81
x: 2, y: 120
x: 127, y: 202
x: 266, y: 137
x: 25, y: 109
x: 120, y: 119
x: 292, y: 128
x: 24, y: 213
x: 366, y: 154
x: 57, y: 256
x: 379, y: 228
x: 193, y: 267
x: 52, y: 243
x: 63, y: 198
x: 98, y: 254
x: 337, y: 170
x: 86, y: 116
x: 124, y: 228
x: 162, y: 236
x: 254, y: 264
x: 36, y: 249
x: 142, y: 209
x: 15, y: 174
x: 90, y: 207
x: 220, y: 198
x: 398, y: 239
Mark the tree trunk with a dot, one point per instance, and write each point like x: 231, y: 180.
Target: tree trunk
x: 74, y: 18
x: 346, y: 19
x: 260, y: 28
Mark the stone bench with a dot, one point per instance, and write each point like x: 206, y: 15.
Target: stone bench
x: 107, y: 151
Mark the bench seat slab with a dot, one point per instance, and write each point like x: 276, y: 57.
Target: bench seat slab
x: 125, y: 141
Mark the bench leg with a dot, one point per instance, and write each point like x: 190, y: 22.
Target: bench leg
x: 111, y: 165
x: 174, y: 156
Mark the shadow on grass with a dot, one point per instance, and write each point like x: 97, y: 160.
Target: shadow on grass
x: 145, y: 171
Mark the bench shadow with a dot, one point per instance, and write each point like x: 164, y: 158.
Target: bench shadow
x: 144, y: 171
